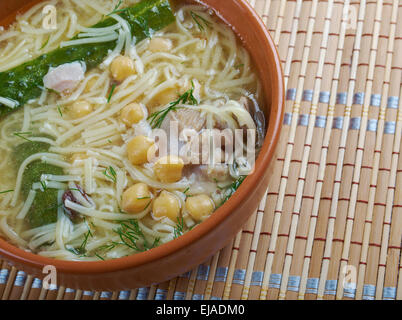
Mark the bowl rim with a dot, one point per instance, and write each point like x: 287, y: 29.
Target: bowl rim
x: 24, y: 257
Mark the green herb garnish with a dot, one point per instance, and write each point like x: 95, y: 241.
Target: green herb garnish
x: 111, y: 93
x: 157, y: 118
x: 59, y: 109
x: 143, y: 198
x: 149, y: 203
x: 179, y: 228
x: 132, y: 236
x: 108, y: 247
x: 116, y: 8
x: 105, y: 248
x: 200, y: 21
x: 7, y: 191
x: 45, y: 44
x: 99, y: 257
x: 23, y: 135
x: 230, y: 190
x: 44, y: 185
x: 81, y: 250
x: 185, y: 192
x: 111, y: 174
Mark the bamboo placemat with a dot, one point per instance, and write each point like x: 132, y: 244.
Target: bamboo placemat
x: 330, y: 225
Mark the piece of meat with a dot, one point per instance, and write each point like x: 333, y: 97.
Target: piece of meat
x: 65, y: 77
x: 174, y: 124
x: 188, y: 119
x: 216, y: 172
x: 68, y: 195
x: 207, y: 147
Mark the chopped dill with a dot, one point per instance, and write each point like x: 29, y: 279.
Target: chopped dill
x: 179, y: 228
x: 157, y: 118
x: 185, y: 193
x: 111, y: 93
x: 7, y: 191
x: 44, y: 185
x: 81, y: 250
x: 108, y: 247
x: 23, y: 135
x: 45, y: 44
x: 84, y: 243
x: 143, y: 198
x: 239, y: 66
x: 59, y: 109
x: 99, y: 257
x: 50, y: 90
x: 118, y: 5
x: 132, y: 236
x: 111, y: 174
x: 116, y: 8
x: 231, y: 189
x: 149, y: 203
x: 156, y: 243
x: 200, y: 21
x: 104, y: 249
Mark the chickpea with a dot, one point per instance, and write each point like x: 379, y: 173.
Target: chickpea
x: 90, y: 84
x: 132, y: 114
x: 170, y: 94
x: 137, y: 149
x: 169, y: 169
x: 121, y: 68
x: 160, y: 45
x: 136, y: 198
x: 80, y: 109
x: 200, y: 206
x: 165, y: 97
x: 166, y: 205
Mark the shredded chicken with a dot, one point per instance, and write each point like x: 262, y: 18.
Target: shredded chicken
x: 217, y: 172
x: 188, y: 119
x: 65, y: 77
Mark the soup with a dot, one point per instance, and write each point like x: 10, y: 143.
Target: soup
x: 124, y: 125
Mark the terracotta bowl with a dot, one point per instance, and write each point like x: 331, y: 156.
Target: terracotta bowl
x: 195, y: 247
